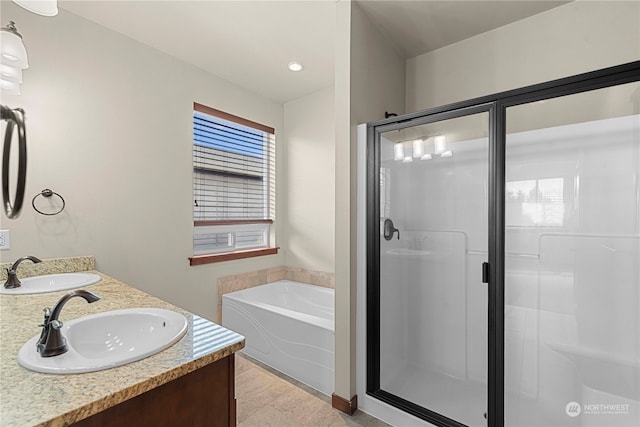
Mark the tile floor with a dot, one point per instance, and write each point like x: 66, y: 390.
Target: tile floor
x: 266, y: 397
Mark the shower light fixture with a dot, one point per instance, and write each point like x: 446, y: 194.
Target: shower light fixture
x: 406, y: 151
x: 40, y: 7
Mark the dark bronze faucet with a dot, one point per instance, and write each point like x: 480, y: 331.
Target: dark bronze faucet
x: 12, y: 273
x: 51, y: 342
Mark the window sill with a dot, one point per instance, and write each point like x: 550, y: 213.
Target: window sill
x: 229, y: 256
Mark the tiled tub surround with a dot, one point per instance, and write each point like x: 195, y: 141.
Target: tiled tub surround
x: 238, y: 282
x: 32, y: 399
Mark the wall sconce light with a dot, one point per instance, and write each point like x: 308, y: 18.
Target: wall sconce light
x: 40, y: 7
x: 13, y: 53
x: 13, y: 59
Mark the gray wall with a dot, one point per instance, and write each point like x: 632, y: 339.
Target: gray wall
x: 308, y: 183
x: 369, y: 81
x: 574, y: 38
x: 110, y: 128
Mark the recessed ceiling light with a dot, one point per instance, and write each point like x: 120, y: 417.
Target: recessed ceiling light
x: 295, y: 66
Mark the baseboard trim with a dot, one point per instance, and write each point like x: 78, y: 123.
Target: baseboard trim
x: 344, y: 405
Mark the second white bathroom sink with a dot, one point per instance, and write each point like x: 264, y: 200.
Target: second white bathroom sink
x: 52, y: 283
x: 106, y: 340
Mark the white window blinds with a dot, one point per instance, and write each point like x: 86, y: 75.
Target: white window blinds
x: 233, y: 181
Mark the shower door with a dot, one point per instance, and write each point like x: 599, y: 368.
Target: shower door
x: 503, y: 257
x: 572, y: 270
x: 429, y: 354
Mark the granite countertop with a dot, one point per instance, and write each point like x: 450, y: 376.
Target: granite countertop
x: 32, y: 399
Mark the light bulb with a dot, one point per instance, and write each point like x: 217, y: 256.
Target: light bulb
x: 441, y: 144
x: 295, y: 66
x: 398, y: 151
x: 418, y: 148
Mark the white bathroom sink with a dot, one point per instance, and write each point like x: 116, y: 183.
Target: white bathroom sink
x: 106, y: 340
x: 52, y: 283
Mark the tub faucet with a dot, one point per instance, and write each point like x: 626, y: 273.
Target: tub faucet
x: 12, y: 273
x: 51, y: 342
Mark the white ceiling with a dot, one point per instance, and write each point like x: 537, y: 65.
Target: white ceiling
x: 250, y: 43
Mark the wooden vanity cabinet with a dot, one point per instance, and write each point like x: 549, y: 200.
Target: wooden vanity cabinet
x: 204, y: 397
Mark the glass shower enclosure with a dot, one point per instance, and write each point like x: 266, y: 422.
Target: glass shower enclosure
x: 503, y: 257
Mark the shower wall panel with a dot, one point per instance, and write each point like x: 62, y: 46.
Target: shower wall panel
x: 567, y: 285
x: 572, y: 298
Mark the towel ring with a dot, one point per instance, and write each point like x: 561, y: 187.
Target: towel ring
x: 14, y: 118
x: 46, y: 193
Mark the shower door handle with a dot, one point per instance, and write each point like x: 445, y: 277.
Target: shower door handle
x: 389, y: 230
x: 485, y: 272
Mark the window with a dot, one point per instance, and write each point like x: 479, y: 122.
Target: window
x: 233, y: 186
x: 535, y: 202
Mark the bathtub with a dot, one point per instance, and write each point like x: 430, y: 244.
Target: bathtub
x: 288, y: 326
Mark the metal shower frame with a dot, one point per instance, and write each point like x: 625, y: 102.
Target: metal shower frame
x: 496, y: 105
